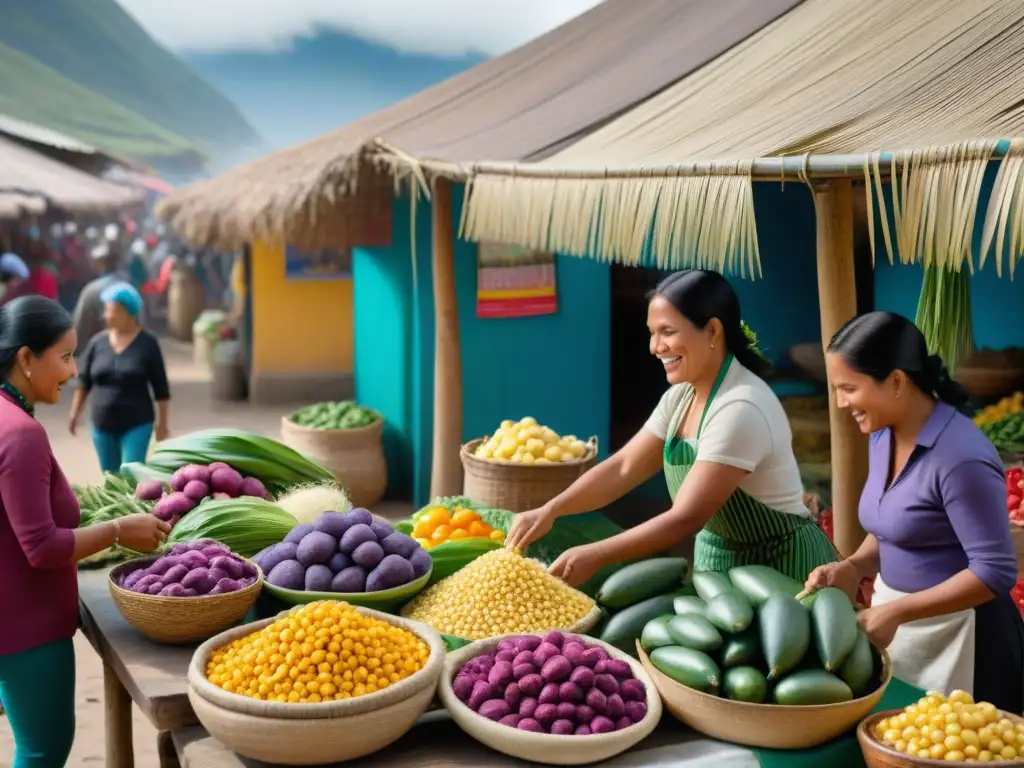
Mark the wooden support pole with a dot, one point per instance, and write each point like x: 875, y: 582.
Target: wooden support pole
x: 837, y: 296
x: 117, y: 706
x: 446, y: 467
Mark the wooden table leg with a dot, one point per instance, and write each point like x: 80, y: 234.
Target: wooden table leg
x: 165, y: 748
x: 117, y: 706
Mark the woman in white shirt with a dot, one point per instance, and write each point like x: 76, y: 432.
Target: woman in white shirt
x: 721, y: 438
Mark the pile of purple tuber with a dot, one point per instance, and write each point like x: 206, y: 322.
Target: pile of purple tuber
x: 553, y: 684
x: 194, y: 483
x: 192, y: 569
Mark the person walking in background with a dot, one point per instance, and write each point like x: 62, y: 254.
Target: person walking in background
x: 89, y: 309
x: 123, y: 368
x: 40, y: 542
x: 13, y: 273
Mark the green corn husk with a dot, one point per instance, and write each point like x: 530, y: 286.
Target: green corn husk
x: 276, y: 465
x: 246, y: 525
x: 452, y: 556
x: 944, y: 315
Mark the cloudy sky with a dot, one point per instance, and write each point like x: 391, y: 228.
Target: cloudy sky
x: 440, y: 27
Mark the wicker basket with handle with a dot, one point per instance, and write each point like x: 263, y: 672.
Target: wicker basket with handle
x: 519, y: 487
x: 354, y: 456
x: 314, y: 734
x: 179, y: 620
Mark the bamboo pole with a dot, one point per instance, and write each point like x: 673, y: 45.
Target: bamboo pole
x: 837, y: 296
x: 446, y: 467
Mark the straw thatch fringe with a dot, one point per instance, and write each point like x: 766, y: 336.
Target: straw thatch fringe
x: 669, y: 221
x: 935, y: 194
x: 1004, y: 222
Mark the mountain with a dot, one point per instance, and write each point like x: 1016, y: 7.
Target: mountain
x: 321, y: 82
x: 97, y: 45
x: 33, y: 92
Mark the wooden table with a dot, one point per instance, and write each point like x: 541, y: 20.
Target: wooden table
x: 152, y: 676
x: 436, y: 741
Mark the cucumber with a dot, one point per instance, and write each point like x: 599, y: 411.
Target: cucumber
x: 811, y: 686
x: 743, y: 649
x: 759, y: 582
x: 859, y: 667
x: 785, y: 633
x: 730, y: 611
x: 624, y: 628
x: 642, y: 580
x: 655, y: 634
x: 745, y: 684
x: 684, y: 604
x: 710, y: 583
x: 835, y: 627
x: 695, y: 632
x: 687, y: 666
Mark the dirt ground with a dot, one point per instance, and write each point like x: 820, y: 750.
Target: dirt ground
x: 191, y: 408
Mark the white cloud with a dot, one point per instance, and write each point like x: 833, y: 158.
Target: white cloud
x: 439, y: 27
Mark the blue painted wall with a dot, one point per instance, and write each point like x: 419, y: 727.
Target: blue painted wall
x: 554, y: 368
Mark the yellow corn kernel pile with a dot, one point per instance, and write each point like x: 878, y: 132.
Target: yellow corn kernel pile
x: 499, y: 593
x: 323, y: 651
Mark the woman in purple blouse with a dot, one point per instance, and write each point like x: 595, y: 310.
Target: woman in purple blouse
x: 40, y: 541
x: 934, y: 508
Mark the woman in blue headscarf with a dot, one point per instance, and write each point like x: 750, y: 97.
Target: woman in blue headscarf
x: 123, y: 368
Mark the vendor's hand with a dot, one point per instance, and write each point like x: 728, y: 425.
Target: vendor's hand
x: 842, y: 575
x: 879, y: 624
x: 142, y: 532
x: 527, y: 527
x: 160, y: 432
x: 578, y: 565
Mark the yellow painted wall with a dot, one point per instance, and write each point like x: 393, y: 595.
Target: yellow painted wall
x: 298, y: 326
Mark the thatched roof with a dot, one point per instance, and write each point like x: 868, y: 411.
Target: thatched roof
x: 524, y: 105
x: 31, y: 174
x: 939, y: 78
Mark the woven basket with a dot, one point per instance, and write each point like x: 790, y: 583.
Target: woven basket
x: 769, y: 726
x: 354, y: 456
x: 519, y: 487
x: 546, y: 748
x: 989, y: 382
x: 179, y: 620
x: 313, y: 734
x: 878, y: 755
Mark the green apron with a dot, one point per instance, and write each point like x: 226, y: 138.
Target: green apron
x: 744, y: 531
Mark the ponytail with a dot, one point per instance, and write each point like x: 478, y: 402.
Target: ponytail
x: 937, y: 381
x: 741, y: 341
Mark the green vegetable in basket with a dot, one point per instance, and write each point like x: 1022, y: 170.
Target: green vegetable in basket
x: 247, y: 525
x: 345, y: 414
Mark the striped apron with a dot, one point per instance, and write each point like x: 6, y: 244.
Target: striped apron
x: 744, y: 531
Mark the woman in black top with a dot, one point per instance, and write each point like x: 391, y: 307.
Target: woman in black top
x: 123, y: 368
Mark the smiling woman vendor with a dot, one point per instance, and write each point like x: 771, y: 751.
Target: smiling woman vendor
x: 723, y: 441
x: 934, y: 507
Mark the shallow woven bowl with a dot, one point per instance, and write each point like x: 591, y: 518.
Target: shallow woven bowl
x: 178, y: 620
x: 313, y: 734
x: 771, y: 726
x: 546, y: 748
x: 879, y: 755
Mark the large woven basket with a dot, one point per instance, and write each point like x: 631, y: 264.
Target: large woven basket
x: 770, y: 726
x: 989, y: 382
x: 314, y: 734
x: 546, y: 748
x: 354, y: 456
x: 179, y: 620
x: 519, y: 487
x: 879, y: 755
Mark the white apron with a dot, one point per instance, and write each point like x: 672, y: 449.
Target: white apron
x: 935, y: 654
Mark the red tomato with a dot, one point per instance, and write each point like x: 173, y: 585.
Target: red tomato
x: 1013, y: 502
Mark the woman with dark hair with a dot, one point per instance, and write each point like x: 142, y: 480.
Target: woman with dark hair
x: 123, y: 368
x: 40, y: 542
x: 934, y: 508
x: 723, y: 441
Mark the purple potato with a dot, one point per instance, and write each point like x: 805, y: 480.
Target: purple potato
x: 196, y: 490
x: 251, y: 486
x: 360, y: 515
x: 333, y: 523
x: 339, y: 562
x: 420, y: 562
x: 381, y: 529
x: 288, y: 574
x: 316, y: 547
x: 368, y: 554
x: 563, y: 727
x: 393, y: 571
x: 149, y: 490
x: 399, y: 544
x: 318, y: 578
x: 354, y: 536
x: 349, y: 581
x: 296, y: 534
x: 226, y: 480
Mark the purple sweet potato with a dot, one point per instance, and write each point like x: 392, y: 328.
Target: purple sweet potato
x: 531, y: 684
x: 582, y: 730
x: 482, y: 691
x: 531, y: 725
x: 513, y: 695
x: 632, y: 690
x: 463, y: 687
x: 570, y: 692
x: 584, y: 714
x: 596, y: 700
x: 494, y: 709
x: 511, y: 720
x: 545, y: 714
x: 527, y: 706
x: 606, y: 684
x: 554, y: 637
x: 601, y: 724
x: 548, y: 694
x: 636, y: 710
x: 556, y: 669
x: 544, y: 652
x: 565, y: 709
x: 500, y: 674
x: 583, y: 677
x: 615, y: 707
x: 563, y: 727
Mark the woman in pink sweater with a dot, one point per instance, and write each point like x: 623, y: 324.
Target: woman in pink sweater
x: 40, y: 542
